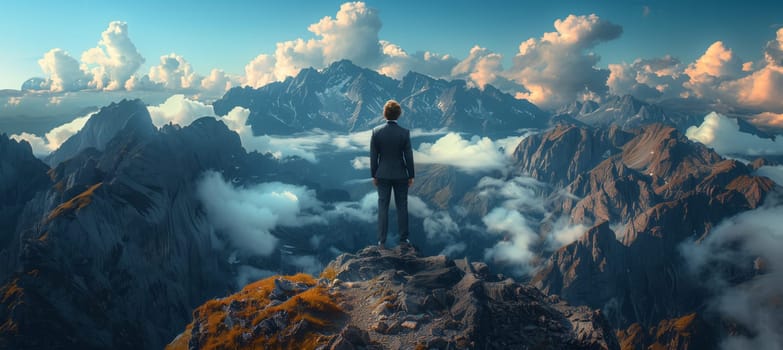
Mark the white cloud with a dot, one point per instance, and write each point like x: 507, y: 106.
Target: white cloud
x: 178, y: 109
x: 724, y: 136
x: 515, y: 248
x: 174, y: 72
x: 217, y: 83
x: 481, y: 67
x: 40, y: 148
x: 524, y: 193
x: 352, y: 34
x: 359, y: 163
x: 559, y: 67
x: 249, y: 214
x: 52, y: 140
x: 13, y: 101
x: 774, y: 172
x: 479, y: 154
x: 64, y: 71
x: 114, y: 60
x: 750, y: 240
x: 563, y: 233
x: 648, y: 79
x: 397, y: 62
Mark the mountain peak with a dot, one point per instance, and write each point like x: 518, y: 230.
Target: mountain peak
x: 395, y: 298
x: 102, y: 126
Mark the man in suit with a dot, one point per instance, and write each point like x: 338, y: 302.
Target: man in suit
x: 391, y: 164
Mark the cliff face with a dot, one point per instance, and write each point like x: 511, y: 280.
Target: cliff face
x: 117, y: 252
x: 393, y: 299
x: 21, y: 177
x: 650, y: 191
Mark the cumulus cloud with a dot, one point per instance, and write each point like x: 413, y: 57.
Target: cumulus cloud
x: 52, y: 140
x: 180, y: 110
x: 747, y: 244
x: 648, y: 79
x: 479, y: 154
x: 559, y: 67
x: 114, y: 60
x: 724, y: 136
x: 397, y: 62
x: 483, y: 67
x: 217, y: 82
x: 249, y: 214
x: 174, y: 72
x: 64, y: 71
x: 719, y: 75
x: 113, y: 63
x: 352, y: 34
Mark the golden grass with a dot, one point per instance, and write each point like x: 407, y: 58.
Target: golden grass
x: 329, y: 273
x: 12, y: 290
x: 314, y: 305
x: 79, y: 201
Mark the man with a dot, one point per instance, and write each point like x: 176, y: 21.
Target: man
x: 391, y: 164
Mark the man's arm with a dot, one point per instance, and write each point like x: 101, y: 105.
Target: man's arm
x: 373, y: 157
x: 408, y: 154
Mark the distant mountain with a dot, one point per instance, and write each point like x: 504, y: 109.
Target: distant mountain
x: 344, y: 97
x: 628, y: 113
x: 394, y: 299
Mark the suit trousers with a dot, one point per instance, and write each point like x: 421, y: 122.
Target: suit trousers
x: 385, y: 187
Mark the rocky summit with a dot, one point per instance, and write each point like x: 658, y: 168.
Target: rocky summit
x: 394, y: 299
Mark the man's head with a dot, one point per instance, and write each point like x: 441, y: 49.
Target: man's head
x: 392, y: 110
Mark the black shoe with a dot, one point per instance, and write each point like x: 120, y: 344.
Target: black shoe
x: 405, y: 243
x: 381, y: 245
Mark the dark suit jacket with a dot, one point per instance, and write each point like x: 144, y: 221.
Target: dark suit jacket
x: 391, y: 156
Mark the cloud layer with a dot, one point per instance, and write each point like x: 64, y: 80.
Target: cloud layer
x: 724, y: 136
x: 748, y: 243
x: 249, y: 214
x: 113, y: 64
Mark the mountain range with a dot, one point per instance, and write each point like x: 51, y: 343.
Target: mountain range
x: 107, y: 243
x: 347, y: 98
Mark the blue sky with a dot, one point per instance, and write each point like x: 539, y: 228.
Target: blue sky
x: 228, y: 34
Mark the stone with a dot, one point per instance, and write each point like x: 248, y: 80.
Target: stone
x: 412, y: 325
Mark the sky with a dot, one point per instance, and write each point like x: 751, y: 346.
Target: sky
x: 550, y: 52
x: 229, y: 34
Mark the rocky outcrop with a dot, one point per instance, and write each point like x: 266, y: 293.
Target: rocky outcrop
x: 561, y: 154
x: 686, y: 332
x: 395, y: 299
x: 346, y: 98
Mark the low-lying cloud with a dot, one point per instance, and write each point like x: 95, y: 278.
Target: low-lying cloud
x: 517, y: 217
x: 750, y: 244
x: 249, y: 214
x: 52, y: 140
x: 724, y: 136
x: 474, y: 155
